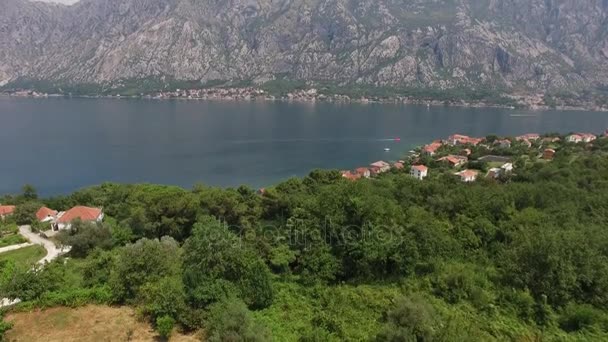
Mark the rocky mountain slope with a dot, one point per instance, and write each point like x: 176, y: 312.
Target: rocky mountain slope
x: 519, y: 45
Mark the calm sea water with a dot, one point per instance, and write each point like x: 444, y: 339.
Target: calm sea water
x: 60, y: 145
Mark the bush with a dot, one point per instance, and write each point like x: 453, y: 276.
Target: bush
x: 412, y: 319
x: 75, y: 297
x: 164, y: 326
x: 231, y: 321
x: 4, y: 327
x: 577, y: 317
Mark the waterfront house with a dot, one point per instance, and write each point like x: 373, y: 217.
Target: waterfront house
x: 85, y: 214
x: 363, y: 172
x: 459, y: 139
x: 432, y: 148
x: 529, y: 136
x: 551, y: 139
x: 419, y: 171
x: 503, y: 143
x: 588, y: 137
x: 454, y: 161
x: 45, y: 214
x: 380, y: 167
x: 548, y: 154
x: 574, y: 138
x: 350, y: 176
x: 467, y: 176
x: 398, y: 166
x: 6, y: 210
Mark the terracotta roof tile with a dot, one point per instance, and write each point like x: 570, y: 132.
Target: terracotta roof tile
x: 83, y: 213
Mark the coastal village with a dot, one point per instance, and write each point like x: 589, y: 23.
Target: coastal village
x: 534, y: 101
x: 470, y: 158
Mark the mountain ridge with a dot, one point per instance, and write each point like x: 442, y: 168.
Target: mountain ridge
x: 522, y: 45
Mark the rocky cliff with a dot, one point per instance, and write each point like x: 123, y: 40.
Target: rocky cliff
x: 519, y: 45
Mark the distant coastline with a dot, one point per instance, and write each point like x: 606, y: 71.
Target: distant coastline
x: 528, y: 102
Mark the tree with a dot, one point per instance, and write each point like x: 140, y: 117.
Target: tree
x: 411, y: 319
x: 217, y: 265
x: 83, y: 237
x: 25, y: 214
x: 145, y: 261
x: 164, y: 326
x: 29, y: 193
x: 230, y: 320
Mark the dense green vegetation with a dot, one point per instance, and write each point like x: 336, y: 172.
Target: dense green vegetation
x: 321, y: 258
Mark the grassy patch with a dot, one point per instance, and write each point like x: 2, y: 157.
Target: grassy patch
x: 24, y: 256
x: 90, y: 323
x: 11, y: 239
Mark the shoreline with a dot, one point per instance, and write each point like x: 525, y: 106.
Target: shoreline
x: 340, y: 99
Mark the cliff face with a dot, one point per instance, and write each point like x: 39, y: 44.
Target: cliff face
x: 516, y: 44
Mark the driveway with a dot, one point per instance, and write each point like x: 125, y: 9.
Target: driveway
x: 52, y: 252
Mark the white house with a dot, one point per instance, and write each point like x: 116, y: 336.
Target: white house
x: 508, y: 167
x: 468, y: 175
x: 419, y: 171
x: 85, y: 214
x: 574, y: 138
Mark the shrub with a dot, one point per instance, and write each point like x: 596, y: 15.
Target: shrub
x: 231, y: 321
x: 164, y: 326
x: 577, y: 317
x: 411, y: 319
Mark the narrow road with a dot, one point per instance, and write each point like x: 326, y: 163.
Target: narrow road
x: 52, y: 252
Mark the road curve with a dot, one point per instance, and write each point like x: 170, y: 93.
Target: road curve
x: 52, y: 252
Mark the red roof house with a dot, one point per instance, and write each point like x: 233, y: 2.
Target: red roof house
x: 45, y: 214
x: 86, y: 214
x: 6, y: 210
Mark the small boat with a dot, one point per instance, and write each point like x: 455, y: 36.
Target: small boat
x: 387, y: 149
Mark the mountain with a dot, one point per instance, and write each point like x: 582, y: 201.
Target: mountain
x: 516, y: 45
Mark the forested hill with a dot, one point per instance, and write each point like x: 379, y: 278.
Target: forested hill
x: 520, y: 45
x: 523, y: 257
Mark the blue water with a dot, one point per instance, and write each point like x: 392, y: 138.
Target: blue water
x: 60, y: 145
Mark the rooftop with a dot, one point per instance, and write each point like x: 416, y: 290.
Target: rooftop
x: 81, y: 212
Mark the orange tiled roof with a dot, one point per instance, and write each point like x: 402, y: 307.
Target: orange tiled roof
x: 45, y: 212
x: 6, y: 209
x: 81, y: 212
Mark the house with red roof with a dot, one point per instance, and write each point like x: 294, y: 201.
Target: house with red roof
x: 419, y: 171
x: 350, y: 176
x: 454, y: 161
x: 432, y: 148
x: 6, y: 210
x: 549, y: 154
x: 459, y: 139
x: 45, y: 214
x: 468, y: 176
x: 363, y: 172
x: 380, y: 167
x: 85, y: 214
